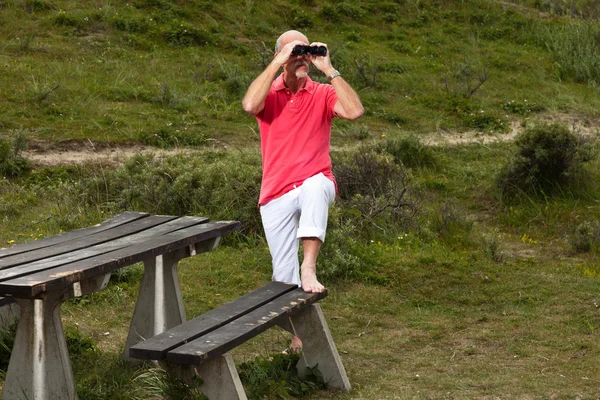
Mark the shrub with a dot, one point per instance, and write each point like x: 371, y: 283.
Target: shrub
x: 490, y: 121
x: 12, y: 163
x: 548, y: 157
x: 219, y: 185
x: 337, y: 258
x: 586, y: 237
x: 374, y: 191
x: 408, y: 151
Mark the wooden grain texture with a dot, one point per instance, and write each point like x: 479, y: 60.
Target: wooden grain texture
x: 34, y: 285
x: 240, y: 330
x: 106, y: 247
x: 85, y: 241
x: 156, y: 348
x: 117, y: 220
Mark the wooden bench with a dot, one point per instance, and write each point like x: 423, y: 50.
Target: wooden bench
x: 198, y: 347
x: 42, y: 274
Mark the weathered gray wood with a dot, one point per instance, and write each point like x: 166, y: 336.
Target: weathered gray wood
x: 33, y: 285
x: 86, y: 241
x: 117, y: 220
x: 106, y: 247
x: 156, y: 348
x: 242, y: 329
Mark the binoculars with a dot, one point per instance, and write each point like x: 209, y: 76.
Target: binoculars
x: 300, y: 50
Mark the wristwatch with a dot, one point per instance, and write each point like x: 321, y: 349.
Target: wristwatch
x: 335, y: 74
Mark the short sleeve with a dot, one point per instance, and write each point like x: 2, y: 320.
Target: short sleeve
x: 331, y: 99
x: 268, y: 104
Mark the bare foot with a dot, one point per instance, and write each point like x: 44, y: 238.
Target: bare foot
x: 296, y: 344
x: 310, y: 284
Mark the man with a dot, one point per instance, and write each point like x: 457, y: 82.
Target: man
x: 294, y: 115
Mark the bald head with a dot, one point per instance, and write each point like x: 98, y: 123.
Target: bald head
x: 287, y: 37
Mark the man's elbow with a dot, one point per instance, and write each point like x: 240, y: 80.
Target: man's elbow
x: 356, y: 113
x: 251, y: 107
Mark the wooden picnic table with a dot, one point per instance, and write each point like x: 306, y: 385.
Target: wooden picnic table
x: 42, y: 274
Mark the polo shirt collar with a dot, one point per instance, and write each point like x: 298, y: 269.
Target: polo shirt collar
x: 309, y: 86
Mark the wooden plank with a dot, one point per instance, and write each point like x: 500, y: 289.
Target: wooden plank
x: 115, y: 221
x: 243, y: 329
x: 86, y: 241
x: 34, y: 285
x: 106, y: 247
x: 156, y: 348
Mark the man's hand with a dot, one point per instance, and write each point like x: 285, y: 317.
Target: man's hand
x: 323, y: 63
x: 285, y: 53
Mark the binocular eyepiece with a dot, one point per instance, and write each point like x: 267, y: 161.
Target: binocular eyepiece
x: 300, y: 50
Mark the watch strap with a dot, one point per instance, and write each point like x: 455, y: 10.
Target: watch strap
x: 336, y: 73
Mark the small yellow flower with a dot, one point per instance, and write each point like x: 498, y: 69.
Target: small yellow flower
x: 383, y: 135
x: 11, y: 241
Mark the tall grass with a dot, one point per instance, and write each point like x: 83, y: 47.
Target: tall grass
x: 575, y: 48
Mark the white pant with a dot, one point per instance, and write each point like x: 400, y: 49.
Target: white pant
x: 300, y: 213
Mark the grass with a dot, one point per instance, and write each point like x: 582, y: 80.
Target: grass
x: 437, y: 315
x: 149, y: 72
x: 472, y: 298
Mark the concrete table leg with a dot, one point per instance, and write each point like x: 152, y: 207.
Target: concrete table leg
x: 219, y: 376
x: 318, y: 347
x: 39, y: 367
x: 159, y: 305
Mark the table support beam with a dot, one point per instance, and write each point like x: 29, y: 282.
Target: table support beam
x: 39, y: 367
x: 159, y: 305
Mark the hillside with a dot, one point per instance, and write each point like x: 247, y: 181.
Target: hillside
x: 172, y: 73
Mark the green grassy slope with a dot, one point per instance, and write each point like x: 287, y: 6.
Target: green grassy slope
x: 173, y: 72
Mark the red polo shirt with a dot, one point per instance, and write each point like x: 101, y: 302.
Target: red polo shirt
x: 294, y: 131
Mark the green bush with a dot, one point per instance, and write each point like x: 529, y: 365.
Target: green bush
x: 374, y: 192
x: 338, y: 258
x: 586, y: 237
x: 218, y: 185
x: 548, y: 157
x: 12, y: 163
x: 408, y: 151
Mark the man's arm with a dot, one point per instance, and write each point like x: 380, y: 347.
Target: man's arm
x: 348, y: 105
x: 254, y: 100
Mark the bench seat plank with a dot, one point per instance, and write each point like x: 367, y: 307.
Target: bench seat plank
x: 242, y: 329
x: 106, y: 247
x: 115, y: 221
x: 86, y: 241
x: 30, y: 286
x: 156, y: 348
